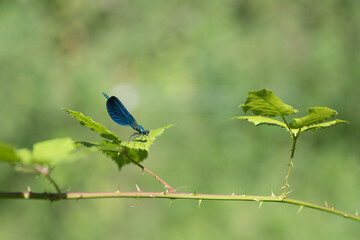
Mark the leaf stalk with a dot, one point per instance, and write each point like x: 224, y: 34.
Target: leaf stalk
x: 291, y: 164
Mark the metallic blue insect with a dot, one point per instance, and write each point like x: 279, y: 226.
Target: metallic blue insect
x: 121, y: 116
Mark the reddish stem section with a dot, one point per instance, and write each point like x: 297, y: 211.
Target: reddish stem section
x: 160, y: 180
x: 151, y: 173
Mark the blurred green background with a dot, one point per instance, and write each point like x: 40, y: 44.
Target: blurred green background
x: 190, y: 63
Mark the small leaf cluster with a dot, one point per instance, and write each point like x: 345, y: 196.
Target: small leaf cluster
x: 43, y: 157
x: 264, y: 104
x: 112, y: 146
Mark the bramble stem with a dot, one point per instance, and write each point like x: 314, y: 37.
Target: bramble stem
x: 173, y: 196
x: 151, y: 173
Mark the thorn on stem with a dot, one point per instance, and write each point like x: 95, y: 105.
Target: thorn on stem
x: 26, y: 195
x: 179, y: 188
x: 171, y: 200
x: 289, y: 191
x: 300, y: 208
x: 260, y: 204
x: 326, y: 204
x: 138, y: 189
x: 200, y: 201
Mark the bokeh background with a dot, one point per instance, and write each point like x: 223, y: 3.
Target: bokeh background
x: 190, y: 63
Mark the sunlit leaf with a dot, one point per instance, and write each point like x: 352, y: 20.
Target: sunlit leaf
x: 8, y: 153
x: 323, y: 125
x: 144, y: 142
x: 315, y: 115
x: 259, y: 120
x: 25, y: 155
x: 53, y: 151
x: 97, y: 127
x: 47, y: 153
x: 104, y: 146
x: 265, y: 103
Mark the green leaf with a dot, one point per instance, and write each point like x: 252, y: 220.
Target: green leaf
x: 259, y: 120
x: 103, y: 146
x: 137, y: 155
x: 52, y: 152
x: 323, y: 125
x: 8, y: 153
x: 315, y: 115
x: 265, y: 103
x: 25, y: 155
x: 48, y: 153
x: 144, y: 142
x: 97, y: 127
x: 119, y: 154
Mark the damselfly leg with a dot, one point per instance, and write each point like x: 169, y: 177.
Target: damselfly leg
x: 135, y: 137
